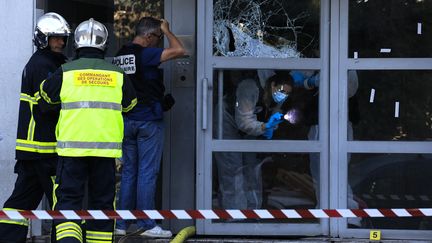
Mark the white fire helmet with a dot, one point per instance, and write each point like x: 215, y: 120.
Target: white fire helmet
x: 50, y: 24
x: 91, y: 33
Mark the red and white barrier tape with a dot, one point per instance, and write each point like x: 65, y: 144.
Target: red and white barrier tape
x: 216, y: 214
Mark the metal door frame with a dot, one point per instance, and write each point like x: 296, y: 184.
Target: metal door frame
x: 206, y: 145
x: 339, y: 66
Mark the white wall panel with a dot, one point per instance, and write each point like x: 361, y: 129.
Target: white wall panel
x: 16, y: 27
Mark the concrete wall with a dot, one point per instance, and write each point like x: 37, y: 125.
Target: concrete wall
x: 16, y: 28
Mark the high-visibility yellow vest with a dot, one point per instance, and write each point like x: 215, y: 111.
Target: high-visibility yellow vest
x: 90, y: 122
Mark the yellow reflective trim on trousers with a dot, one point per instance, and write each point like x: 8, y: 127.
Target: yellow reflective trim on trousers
x: 54, y: 197
x: 35, y: 146
x: 115, y: 208
x: 68, y: 234
x: 68, y: 225
x: 68, y: 229
x: 22, y: 222
x: 99, y: 235
x: 98, y: 241
x: 132, y: 105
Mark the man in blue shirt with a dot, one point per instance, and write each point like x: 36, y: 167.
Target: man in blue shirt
x: 144, y: 130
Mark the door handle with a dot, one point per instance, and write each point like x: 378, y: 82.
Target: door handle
x: 206, y: 86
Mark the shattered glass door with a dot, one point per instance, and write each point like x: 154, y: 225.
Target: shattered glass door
x: 251, y: 169
x: 263, y: 28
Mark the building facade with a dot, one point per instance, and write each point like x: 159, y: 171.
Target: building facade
x: 356, y: 136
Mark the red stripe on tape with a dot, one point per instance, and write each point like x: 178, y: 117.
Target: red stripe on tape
x: 387, y: 213
x: 305, y: 213
x: 140, y: 214
x: 3, y: 215
x: 278, y: 214
x: 195, y: 214
x: 250, y: 214
x: 55, y: 214
x: 415, y: 212
x: 112, y: 214
x: 84, y: 214
x: 332, y: 213
x: 167, y: 214
x: 222, y: 214
x: 359, y: 213
x: 28, y: 214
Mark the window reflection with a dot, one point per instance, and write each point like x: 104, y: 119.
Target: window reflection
x: 127, y: 13
x: 261, y: 28
x: 120, y: 17
x: 392, y: 181
x: 393, y: 105
x: 382, y: 28
x: 263, y: 180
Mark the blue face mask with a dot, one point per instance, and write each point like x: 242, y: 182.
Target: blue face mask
x: 279, y: 97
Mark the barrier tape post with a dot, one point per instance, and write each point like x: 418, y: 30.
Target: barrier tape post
x: 216, y: 214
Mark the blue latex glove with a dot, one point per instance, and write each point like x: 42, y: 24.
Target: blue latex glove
x: 274, y: 120
x: 298, y: 78
x: 268, y: 133
x: 314, y: 81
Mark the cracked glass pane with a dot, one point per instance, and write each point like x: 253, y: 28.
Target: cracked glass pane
x: 264, y: 28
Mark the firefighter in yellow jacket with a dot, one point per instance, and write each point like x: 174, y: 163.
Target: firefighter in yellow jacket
x: 92, y: 94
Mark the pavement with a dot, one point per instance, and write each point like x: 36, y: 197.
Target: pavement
x: 219, y: 239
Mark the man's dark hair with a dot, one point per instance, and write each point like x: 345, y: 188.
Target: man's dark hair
x: 147, y: 25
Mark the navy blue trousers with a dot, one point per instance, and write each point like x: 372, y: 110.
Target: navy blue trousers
x: 35, y: 178
x: 72, y: 175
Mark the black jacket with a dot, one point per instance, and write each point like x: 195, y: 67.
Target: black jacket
x: 36, y: 131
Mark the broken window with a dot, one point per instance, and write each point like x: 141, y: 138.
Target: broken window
x: 264, y: 28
